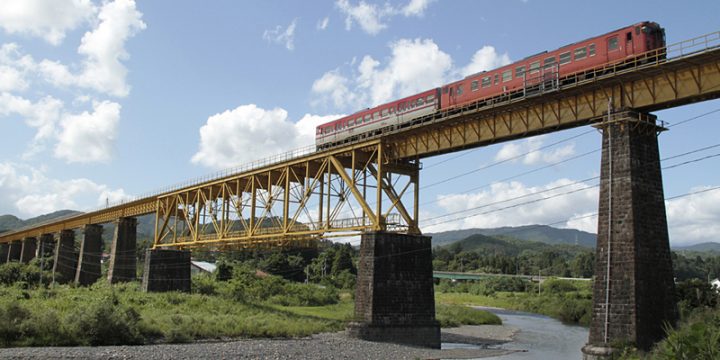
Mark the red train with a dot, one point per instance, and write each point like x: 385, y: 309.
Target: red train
x: 515, y: 79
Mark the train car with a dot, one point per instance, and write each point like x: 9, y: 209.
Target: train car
x: 371, y: 121
x: 615, y: 46
x: 508, y: 81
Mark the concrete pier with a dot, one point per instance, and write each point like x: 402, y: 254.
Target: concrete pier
x: 394, y: 300
x: 166, y: 270
x: 88, y: 269
x: 28, y: 250
x: 15, y: 251
x: 633, y: 292
x: 123, y: 259
x: 65, y: 260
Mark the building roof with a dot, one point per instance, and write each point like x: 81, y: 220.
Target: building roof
x: 204, y: 266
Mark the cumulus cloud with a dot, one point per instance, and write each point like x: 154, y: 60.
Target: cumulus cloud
x: 694, y: 219
x: 48, y: 19
x: 373, y: 18
x: 282, y: 36
x: 485, y: 59
x: 88, y: 137
x: 103, y: 49
x: 42, y: 115
x: 248, y: 133
x: 530, y: 153
x: 493, y: 207
x: 28, y: 191
x: 414, y: 66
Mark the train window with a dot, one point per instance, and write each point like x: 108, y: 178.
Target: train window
x: 637, y: 30
x: 368, y: 117
x: 507, y: 75
x: 628, y: 36
x: 519, y: 71
x: 359, y: 121
x: 486, y: 82
x: 474, y: 85
x: 430, y: 98
x: 591, y: 49
x: 376, y: 115
x: 459, y: 90
x: 580, y: 53
x: 613, y: 43
x: 497, y: 79
x: 534, y: 67
x: 445, y: 90
x: 420, y: 101
x: 385, y: 112
x: 565, y: 58
x: 549, y: 62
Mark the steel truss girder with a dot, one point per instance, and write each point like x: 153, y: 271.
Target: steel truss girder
x: 339, y: 192
x: 639, y: 86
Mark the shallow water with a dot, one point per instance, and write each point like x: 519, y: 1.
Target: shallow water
x: 541, y: 337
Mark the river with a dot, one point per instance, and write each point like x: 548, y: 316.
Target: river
x: 541, y: 337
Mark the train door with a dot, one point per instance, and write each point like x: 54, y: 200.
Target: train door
x: 613, y: 48
x: 450, y: 96
x: 629, y: 47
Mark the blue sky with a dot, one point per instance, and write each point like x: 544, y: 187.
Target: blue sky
x: 111, y: 99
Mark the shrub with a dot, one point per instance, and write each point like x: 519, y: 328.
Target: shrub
x: 12, y: 315
x: 105, y: 322
x: 203, y: 284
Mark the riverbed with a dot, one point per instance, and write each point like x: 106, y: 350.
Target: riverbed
x: 540, y: 337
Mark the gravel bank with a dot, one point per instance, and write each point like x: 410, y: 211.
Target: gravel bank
x: 320, y: 346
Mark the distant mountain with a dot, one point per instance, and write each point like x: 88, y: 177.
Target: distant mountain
x: 12, y: 222
x: 703, y: 247
x: 507, y: 246
x: 539, y: 233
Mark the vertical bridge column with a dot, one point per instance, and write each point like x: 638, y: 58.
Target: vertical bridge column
x: 65, y: 261
x: 88, y: 269
x: 394, y: 299
x: 166, y: 270
x: 633, y: 292
x: 29, y: 247
x: 123, y: 259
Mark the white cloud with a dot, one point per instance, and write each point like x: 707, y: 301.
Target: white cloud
x: 88, y: 137
x: 506, y: 194
x: 248, y: 133
x: 530, y: 151
x: 373, y: 18
x: 49, y: 19
x: 284, y: 37
x: 28, y: 191
x: 11, y: 79
x: 104, y: 51
x: 42, y: 115
x: 416, y: 7
x: 414, y: 66
x: 333, y: 87
x: 694, y: 219
x: 368, y: 16
x: 323, y: 24
x: 485, y: 59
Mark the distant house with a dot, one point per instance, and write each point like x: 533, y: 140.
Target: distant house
x: 716, y: 284
x: 197, y: 267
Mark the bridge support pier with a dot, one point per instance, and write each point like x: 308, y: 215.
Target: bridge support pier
x: 394, y: 300
x: 123, y: 259
x: 633, y: 292
x: 88, y: 269
x: 46, y: 245
x: 14, y: 251
x: 28, y: 250
x: 4, y: 251
x: 166, y: 270
x: 65, y: 260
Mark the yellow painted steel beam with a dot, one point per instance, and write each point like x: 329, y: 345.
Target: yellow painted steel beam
x: 585, y: 99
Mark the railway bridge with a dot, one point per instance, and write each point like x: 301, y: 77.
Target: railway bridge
x: 370, y: 187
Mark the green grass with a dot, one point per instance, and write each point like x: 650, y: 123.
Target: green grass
x: 456, y: 315
x: 571, y: 307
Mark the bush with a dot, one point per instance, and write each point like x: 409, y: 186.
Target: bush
x: 12, y: 316
x: 203, y: 284
x: 105, y: 322
x: 456, y: 315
